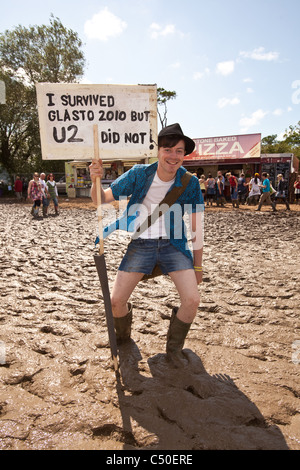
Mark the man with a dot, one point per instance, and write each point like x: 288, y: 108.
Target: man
x: 221, y: 177
x: 220, y: 191
x: 242, y: 188
x: 161, y: 244
x: 18, y: 188
x: 265, y: 196
x: 45, y: 193
x: 233, y: 189
x: 282, y: 193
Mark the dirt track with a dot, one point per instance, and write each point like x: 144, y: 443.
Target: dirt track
x: 57, y: 388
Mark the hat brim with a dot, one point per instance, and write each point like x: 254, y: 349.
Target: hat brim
x: 189, y: 145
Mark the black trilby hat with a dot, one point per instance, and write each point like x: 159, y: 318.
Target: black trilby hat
x: 175, y: 129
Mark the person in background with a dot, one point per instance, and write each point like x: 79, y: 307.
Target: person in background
x: 281, y: 193
x: 44, y: 193
x: 25, y: 188
x: 255, y: 191
x: 35, y: 193
x: 210, y: 184
x: 52, y: 191
x: 233, y: 189
x: 272, y: 190
x: 220, y: 191
x: 297, y: 189
x: 220, y: 175
x: 265, y: 197
x: 202, y: 180
x: 18, y: 187
x: 242, y: 189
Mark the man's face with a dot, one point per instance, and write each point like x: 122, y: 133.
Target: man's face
x: 169, y: 160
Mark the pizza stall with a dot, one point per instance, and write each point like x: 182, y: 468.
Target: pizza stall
x: 234, y: 153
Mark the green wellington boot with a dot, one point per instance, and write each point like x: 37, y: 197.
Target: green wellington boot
x: 177, y: 333
x: 123, y: 326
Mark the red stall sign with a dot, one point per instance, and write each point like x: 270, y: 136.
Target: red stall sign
x: 233, y: 147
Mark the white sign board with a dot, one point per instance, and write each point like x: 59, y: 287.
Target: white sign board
x: 126, y: 116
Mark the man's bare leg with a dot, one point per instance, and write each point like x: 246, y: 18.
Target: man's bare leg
x: 181, y: 319
x: 186, y: 285
x: 123, y: 287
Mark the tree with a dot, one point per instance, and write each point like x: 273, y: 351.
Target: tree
x: 18, y: 121
x: 28, y: 55
x: 42, y: 53
x: 163, y: 96
x: 292, y: 138
x: 268, y: 143
x: 271, y: 144
x: 289, y: 144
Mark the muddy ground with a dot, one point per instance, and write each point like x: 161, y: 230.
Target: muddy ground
x: 57, y: 387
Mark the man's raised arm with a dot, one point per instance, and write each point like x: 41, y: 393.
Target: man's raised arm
x: 96, y: 171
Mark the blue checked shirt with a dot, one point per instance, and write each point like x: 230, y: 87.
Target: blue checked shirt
x: 136, y: 183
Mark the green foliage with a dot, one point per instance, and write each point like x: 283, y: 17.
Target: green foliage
x: 289, y: 144
x: 163, y: 96
x: 42, y: 53
x: 18, y: 122
x: 47, y: 53
x: 292, y: 137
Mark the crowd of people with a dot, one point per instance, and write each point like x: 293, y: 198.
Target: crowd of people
x: 257, y: 191
x: 254, y: 192
x: 40, y: 191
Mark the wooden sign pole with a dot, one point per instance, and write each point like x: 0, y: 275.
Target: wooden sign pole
x: 101, y: 265
x: 98, y: 189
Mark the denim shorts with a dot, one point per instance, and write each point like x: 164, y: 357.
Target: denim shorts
x: 143, y: 254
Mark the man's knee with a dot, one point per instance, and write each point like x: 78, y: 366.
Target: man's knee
x: 192, y: 301
x: 116, y: 301
x: 196, y: 300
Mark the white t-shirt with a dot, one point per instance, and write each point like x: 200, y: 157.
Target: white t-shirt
x: 255, y: 188
x: 154, y: 196
x: 43, y: 186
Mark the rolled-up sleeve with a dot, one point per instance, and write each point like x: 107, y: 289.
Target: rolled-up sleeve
x: 124, y: 185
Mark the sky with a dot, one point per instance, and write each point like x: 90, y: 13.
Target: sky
x: 233, y: 64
